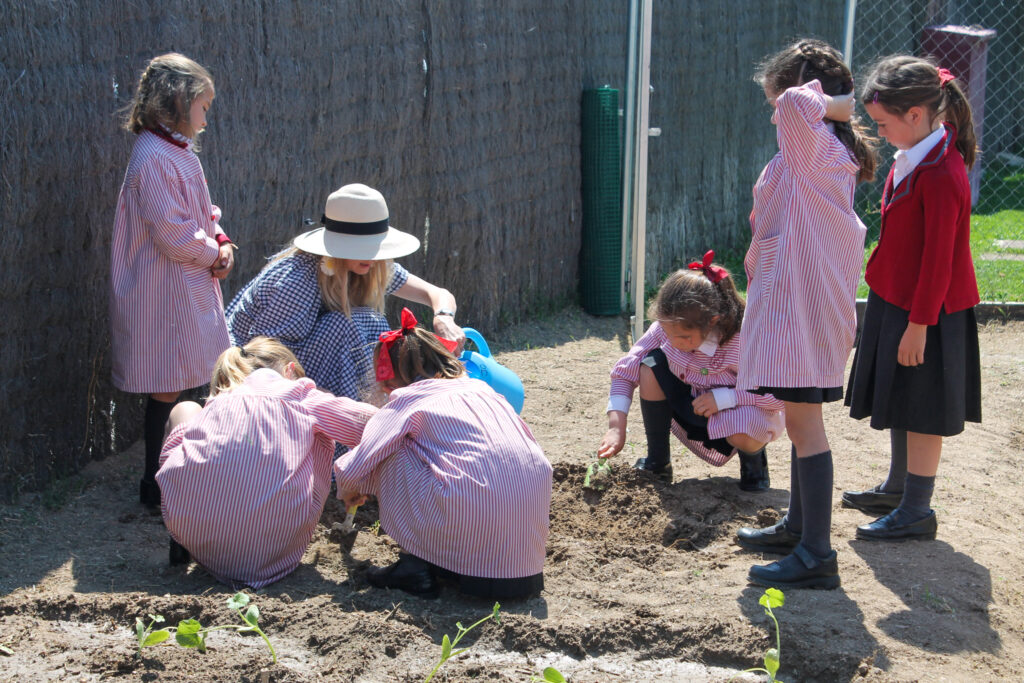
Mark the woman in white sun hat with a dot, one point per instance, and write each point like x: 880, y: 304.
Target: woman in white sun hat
x: 323, y: 297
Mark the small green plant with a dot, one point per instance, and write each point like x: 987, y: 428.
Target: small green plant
x: 375, y: 528
x: 550, y: 675
x: 772, y: 597
x: 447, y: 644
x: 598, y: 474
x: 190, y: 633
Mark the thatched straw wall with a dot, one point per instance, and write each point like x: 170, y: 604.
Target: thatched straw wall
x: 465, y: 114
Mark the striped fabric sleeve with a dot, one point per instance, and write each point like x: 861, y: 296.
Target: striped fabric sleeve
x: 626, y: 373
x: 341, y: 419
x: 382, y: 437
x: 804, y: 137
x: 766, y: 401
x: 165, y: 211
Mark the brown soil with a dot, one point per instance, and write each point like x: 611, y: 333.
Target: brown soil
x: 643, y: 579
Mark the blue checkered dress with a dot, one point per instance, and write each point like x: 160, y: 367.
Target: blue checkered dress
x: 284, y: 301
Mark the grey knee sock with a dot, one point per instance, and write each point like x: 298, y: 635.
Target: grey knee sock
x: 816, y: 497
x: 917, y: 496
x: 794, y: 516
x: 897, y: 461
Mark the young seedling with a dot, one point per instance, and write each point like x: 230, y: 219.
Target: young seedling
x: 550, y: 675
x: 598, y: 476
x: 772, y: 597
x: 190, y: 633
x: 447, y: 644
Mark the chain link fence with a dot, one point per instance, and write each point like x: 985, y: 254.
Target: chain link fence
x: 982, y: 42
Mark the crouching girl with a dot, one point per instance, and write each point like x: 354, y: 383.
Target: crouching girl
x: 463, y: 486
x: 243, y: 480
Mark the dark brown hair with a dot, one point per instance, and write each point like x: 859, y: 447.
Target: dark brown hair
x: 416, y: 355
x: 807, y: 60
x: 689, y: 298
x: 901, y: 82
x: 167, y: 88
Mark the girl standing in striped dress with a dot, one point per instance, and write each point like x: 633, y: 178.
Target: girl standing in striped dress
x: 917, y: 371
x: 803, y: 266
x: 168, y: 253
x: 463, y: 486
x: 244, y: 479
x: 685, y: 366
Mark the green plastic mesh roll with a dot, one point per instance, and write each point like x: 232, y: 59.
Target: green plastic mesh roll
x: 601, y: 253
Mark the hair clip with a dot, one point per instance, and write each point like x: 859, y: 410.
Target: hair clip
x: 945, y: 76
x: 242, y: 352
x: 874, y: 100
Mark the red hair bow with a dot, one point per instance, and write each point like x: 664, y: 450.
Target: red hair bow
x: 714, y: 273
x: 385, y: 370
x: 945, y: 76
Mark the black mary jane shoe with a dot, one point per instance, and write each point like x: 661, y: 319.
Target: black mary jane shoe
x: 895, y: 527
x: 800, y: 569
x: 874, y: 501
x: 772, y: 539
x: 177, y: 554
x: 754, y: 471
x: 663, y: 473
x: 410, y: 574
x: 149, y: 493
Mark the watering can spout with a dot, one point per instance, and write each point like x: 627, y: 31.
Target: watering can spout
x: 480, y: 365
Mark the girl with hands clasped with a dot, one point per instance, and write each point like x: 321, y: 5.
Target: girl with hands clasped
x: 168, y: 252
x: 244, y: 479
x: 917, y: 368
x: 803, y: 267
x: 685, y: 366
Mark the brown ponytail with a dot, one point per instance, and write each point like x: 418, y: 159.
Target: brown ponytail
x: 418, y: 354
x: 901, y: 82
x: 807, y: 60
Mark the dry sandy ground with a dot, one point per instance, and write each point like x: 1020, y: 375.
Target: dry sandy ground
x: 643, y: 579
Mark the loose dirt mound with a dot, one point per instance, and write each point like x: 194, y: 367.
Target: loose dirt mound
x: 643, y: 580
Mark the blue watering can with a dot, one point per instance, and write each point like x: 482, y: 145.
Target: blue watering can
x: 483, y: 367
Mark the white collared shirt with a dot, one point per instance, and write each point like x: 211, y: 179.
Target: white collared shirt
x: 905, y: 161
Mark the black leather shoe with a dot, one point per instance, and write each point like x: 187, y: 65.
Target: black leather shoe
x: 149, y: 493
x: 409, y: 573
x: 895, y: 527
x: 773, y: 539
x: 873, y: 501
x: 663, y: 473
x: 177, y: 554
x: 801, y: 569
x: 754, y: 471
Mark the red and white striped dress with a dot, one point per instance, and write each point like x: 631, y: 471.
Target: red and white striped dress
x: 805, y: 255
x: 243, y: 484
x: 711, y: 367
x: 166, y: 310
x: 460, y: 479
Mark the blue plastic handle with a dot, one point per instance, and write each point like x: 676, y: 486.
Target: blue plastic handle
x: 477, y: 339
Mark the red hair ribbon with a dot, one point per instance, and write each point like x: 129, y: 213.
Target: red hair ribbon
x: 385, y: 370
x: 945, y: 76
x: 714, y: 273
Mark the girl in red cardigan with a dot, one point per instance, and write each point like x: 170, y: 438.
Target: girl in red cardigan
x: 917, y: 371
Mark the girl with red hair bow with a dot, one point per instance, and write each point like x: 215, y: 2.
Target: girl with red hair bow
x: 685, y: 366
x: 462, y: 485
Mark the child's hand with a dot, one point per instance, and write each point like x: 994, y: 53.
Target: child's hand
x: 350, y: 498
x: 840, y: 107
x: 705, y: 405
x: 615, y: 438
x: 911, y: 350
x: 225, y: 261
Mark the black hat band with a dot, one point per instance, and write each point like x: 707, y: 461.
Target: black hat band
x: 375, y: 228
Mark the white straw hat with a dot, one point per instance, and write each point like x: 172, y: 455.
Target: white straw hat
x: 355, y: 226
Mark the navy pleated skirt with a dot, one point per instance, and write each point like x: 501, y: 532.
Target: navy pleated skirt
x: 936, y: 397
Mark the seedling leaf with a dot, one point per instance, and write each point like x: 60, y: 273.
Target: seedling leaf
x: 140, y: 630
x: 553, y: 675
x: 158, y: 618
x: 252, y: 615
x: 238, y: 601
x: 156, y: 637
x: 187, y: 639
x: 446, y: 647
x: 771, y: 662
x: 772, y: 598
x: 189, y: 626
